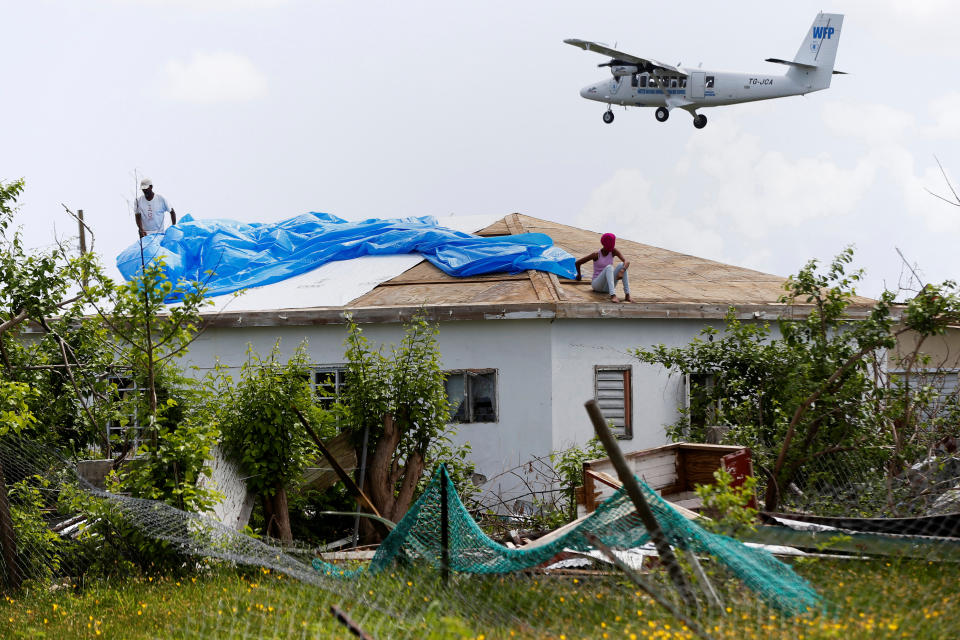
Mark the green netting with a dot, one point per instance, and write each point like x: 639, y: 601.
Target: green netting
x: 417, y: 537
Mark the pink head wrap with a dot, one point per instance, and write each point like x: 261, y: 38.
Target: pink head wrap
x: 607, y: 241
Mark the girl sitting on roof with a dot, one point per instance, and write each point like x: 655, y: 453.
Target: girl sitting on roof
x: 605, y: 275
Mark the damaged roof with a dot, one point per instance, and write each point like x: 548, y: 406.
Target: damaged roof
x: 664, y: 284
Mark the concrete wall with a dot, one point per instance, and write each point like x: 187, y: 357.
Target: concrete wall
x: 943, y: 350
x: 520, y: 351
x: 579, y: 345
x: 545, y: 374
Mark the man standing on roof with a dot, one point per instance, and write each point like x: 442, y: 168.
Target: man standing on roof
x: 605, y: 275
x: 151, y: 210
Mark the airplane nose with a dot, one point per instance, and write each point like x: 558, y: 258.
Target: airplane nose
x: 591, y: 92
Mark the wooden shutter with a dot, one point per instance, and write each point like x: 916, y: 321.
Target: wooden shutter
x: 613, y: 393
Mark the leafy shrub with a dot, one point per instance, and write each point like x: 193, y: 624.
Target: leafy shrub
x: 727, y: 505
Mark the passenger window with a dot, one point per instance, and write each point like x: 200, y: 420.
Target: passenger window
x: 633, y: 80
x: 673, y: 83
x: 683, y: 82
x: 709, y: 82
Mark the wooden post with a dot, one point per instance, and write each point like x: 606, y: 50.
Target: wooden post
x: 640, y: 502
x: 83, y: 246
x: 83, y: 232
x: 444, y: 527
x: 345, y: 620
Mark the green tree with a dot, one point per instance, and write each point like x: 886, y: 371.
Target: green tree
x: 146, y: 334
x: 261, y: 431
x: 397, y: 405
x: 809, y: 393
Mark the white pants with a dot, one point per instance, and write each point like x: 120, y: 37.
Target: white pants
x: 606, y: 280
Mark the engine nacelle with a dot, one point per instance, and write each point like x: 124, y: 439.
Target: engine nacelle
x: 620, y: 70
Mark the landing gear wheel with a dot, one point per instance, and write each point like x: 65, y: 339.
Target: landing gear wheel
x: 700, y: 121
x: 608, y: 116
x: 662, y: 114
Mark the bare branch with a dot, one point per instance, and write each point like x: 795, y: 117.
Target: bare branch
x: 956, y: 198
x: 910, y: 267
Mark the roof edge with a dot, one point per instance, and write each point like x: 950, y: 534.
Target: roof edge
x: 516, y: 311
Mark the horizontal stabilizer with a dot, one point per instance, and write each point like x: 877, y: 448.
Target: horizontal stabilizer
x: 792, y: 63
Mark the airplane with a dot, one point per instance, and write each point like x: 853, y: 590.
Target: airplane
x: 644, y: 82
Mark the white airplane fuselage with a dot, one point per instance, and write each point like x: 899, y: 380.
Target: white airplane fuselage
x: 698, y: 90
x: 644, y: 82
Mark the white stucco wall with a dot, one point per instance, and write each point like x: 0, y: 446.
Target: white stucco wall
x: 581, y: 344
x: 520, y: 351
x: 545, y: 374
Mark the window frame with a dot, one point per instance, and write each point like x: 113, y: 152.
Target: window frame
x: 627, y: 433
x: 467, y: 396
x: 340, y: 382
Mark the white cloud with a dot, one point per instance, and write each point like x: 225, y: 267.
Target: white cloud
x: 629, y: 205
x: 734, y: 192
x: 871, y: 123
x: 759, y: 189
x: 210, y: 78
x: 946, y: 116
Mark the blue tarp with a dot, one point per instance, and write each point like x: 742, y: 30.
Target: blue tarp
x: 241, y: 255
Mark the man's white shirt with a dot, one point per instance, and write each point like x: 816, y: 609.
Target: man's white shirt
x: 153, y: 213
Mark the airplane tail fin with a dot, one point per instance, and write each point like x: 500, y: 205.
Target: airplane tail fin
x: 813, y: 64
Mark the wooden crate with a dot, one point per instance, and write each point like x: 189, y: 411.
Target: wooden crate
x: 672, y: 470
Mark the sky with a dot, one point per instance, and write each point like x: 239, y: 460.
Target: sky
x: 259, y: 110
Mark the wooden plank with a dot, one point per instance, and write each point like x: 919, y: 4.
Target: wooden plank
x: 558, y: 288
x: 700, y: 466
x: 541, y: 285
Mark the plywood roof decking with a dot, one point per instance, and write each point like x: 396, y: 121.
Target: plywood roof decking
x: 656, y: 276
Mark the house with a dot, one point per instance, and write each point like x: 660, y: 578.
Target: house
x: 524, y: 351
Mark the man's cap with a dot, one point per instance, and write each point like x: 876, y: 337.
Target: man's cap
x: 146, y: 183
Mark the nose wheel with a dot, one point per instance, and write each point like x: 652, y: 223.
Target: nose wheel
x: 662, y: 114
x: 608, y: 116
x: 700, y: 121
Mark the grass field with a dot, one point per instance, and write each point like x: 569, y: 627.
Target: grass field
x: 868, y: 599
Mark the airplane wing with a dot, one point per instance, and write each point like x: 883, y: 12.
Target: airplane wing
x: 626, y: 58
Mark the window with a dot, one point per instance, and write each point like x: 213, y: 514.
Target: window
x: 613, y: 393
x: 673, y: 83
x: 643, y: 81
x: 710, y: 82
x: 633, y: 80
x: 473, y: 395
x: 683, y: 83
x: 328, y: 382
